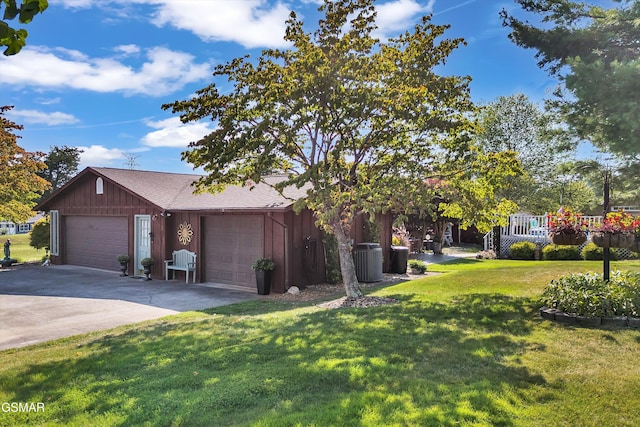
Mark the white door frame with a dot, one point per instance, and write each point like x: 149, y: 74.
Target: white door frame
x: 141, y: 241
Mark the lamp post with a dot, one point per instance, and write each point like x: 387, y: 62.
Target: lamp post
x: 605, y: 251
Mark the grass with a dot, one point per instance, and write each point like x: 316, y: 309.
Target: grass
x: 21, y: 250
x: 465, y: 347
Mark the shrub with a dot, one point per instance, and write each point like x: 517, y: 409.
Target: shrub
x: 39, y: 237
x: 592, y: 252
x: 522, y: 250
x: 418, y: 265
x: 332, y: 259
x: 561, y: 252
x: 263, y: 264
x: 147, y: 262
x: 590, y: 295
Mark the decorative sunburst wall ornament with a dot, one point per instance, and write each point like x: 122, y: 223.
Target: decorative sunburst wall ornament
x: 185, y: 233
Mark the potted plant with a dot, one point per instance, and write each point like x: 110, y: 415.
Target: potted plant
x: 263, y: 268
x: 124, y: 264
x: 567, y: 227
x: 146, y: 264
x: 417, y: 267
x: 615, y: 231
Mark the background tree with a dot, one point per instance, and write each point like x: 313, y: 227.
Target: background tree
x: 595, y: 54
x: 62, y: 165
x: 39, y: 237
x: 464, y: 189
x: 20, y: 185
x: 14, y: 39
x: 340, y: 112
x: 542, y: 143
x: 623, y: 192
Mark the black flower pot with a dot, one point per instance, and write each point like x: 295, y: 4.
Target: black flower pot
x: 263, y: 281
x: 569, y: 239
x: 612, y: 240
x: 147, y: 271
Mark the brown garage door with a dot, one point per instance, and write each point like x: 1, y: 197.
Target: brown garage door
x: 96, y: 241
x: 232, y: 243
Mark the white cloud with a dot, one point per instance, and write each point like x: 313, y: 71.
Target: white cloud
x: 99, y: 155
x: 163, y: 72
x: 48, y: 101
x: 73, y: 4
x: 399, y: 15
x: 251, y: 23
x: 127, y: 49
x: 173, y: 133
x: 52, y: 119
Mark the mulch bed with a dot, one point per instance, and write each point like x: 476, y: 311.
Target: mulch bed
x: 322, y: 293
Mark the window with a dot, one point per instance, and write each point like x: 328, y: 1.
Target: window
x: 54, y: 233
x: 99, y: 186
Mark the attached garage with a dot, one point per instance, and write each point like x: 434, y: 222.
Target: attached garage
x: 96, y: 241
x: 232, y: 243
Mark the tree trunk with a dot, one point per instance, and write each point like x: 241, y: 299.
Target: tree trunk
x: 347, y: 266
x: 439, y: 227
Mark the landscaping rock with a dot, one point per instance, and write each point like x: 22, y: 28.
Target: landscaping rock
x: 294, y: 290
x: 615, y: 322
x: 562, y: 317
x: 633, y: 322
x: 548, y: 313
x: 588, y: 322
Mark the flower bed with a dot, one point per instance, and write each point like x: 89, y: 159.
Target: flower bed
x: 588, y: 296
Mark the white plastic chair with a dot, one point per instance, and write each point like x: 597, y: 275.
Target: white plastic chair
x: 448, y: 236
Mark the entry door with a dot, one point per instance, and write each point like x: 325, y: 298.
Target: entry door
x: 142, y: 239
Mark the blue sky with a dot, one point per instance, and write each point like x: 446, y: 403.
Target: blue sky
x: 95, y: 72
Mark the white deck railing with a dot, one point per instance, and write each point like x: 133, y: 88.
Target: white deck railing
x: 538, y: 225
x: 531, y: 227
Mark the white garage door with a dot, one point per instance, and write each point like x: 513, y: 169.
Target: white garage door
x: 232, y: 244
x: 96, y: 241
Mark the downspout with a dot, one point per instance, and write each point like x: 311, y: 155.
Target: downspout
x: 286, y: 250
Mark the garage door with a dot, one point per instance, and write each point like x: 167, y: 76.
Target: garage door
x: 232, y: 243
x: 95, y: 241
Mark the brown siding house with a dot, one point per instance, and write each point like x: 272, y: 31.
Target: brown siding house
x: 104, y: 212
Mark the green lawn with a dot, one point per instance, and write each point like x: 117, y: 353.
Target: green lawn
x: 465, y: 347
x: 20, y: 248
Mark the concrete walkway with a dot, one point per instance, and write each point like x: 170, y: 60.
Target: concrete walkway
x: 38, y: 304
x: 430, y: 258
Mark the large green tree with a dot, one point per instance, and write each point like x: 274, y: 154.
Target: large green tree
x: 596, y: 56
x: 16, y: 39
x: 20, y: 185
x: 542, y: 143
x: 62, y: 165
x: 340, y: 112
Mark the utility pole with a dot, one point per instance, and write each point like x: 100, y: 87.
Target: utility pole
x: 606, y: 255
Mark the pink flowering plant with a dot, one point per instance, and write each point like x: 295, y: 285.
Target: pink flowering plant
x: 566, y: 221
x: 617, y: 222
x: 635, y: 226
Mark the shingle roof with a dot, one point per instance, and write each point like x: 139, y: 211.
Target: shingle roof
x: 172, y: 191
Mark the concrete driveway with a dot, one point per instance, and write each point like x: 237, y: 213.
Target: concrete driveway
x: 43, y: 303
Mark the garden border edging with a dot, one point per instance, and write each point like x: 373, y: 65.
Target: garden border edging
x: 572, y: 319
